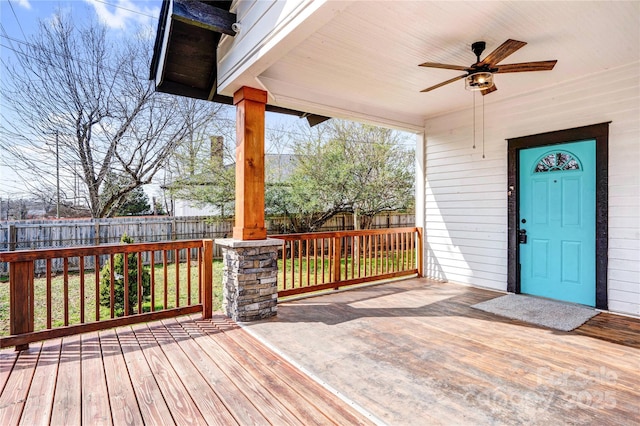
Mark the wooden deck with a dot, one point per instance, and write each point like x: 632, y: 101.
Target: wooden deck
x: 415, y: 352
x: 178, y: 371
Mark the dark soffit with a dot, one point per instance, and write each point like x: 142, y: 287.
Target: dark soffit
x: 189, y: 64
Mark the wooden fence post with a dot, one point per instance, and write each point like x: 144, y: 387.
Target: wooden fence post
x: 207, y: 279
x: 21, y: 299
x: 12, y: 237
x: 96, y: 236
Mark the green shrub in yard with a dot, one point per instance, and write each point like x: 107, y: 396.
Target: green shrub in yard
x: 118, y: 268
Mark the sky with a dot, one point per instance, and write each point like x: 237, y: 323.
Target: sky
x: 20, y: 19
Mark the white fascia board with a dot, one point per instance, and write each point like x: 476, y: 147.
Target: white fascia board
x: 268, y: 30
x: 163, y: 49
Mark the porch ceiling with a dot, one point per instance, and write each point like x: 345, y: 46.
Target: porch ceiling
x: 363, y: 62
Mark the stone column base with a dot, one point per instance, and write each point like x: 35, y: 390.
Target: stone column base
x: 250, y: 279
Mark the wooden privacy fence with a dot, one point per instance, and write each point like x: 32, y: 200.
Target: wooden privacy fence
x: 176, y: 288
x: 324, y: 260
x: 45, y: 234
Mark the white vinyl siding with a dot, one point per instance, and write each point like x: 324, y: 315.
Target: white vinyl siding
x: 466, y: 195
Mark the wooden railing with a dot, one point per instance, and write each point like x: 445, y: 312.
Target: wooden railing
x: 106, y: 296
x: 326, y: 260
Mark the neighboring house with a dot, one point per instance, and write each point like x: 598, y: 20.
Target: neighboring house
x: 482, y: 180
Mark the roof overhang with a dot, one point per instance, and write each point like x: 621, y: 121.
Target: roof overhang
x: 184, y: 58
x: 185, y: 52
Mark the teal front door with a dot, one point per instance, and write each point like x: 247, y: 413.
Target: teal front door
x: 557, y: 222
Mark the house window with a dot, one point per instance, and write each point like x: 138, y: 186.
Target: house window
x: 557, y: 161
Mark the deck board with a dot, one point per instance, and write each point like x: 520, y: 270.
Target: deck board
x: 95, y: 398
x: 182, y: 407
x: 153, y: 408
x: 239, y: 405
x: 122, y: 398
x: 67, y: 399
x: 254, y: 389
x: 17, y: 387
x: 175, y: 371
x: 205, y: 400
x: 38, y: 406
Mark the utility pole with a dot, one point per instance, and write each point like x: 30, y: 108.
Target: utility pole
x: 57, y: 178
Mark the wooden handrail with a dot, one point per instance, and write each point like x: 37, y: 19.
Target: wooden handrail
x: 21, y: 284
x: 338, y: 234
x: 104, y: 249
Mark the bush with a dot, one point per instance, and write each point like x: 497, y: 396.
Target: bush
x: 118, y: 267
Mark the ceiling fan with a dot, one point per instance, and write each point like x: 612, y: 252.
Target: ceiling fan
x: 479, y: 76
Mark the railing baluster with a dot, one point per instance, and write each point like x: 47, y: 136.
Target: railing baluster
x: 65, y: 290
x: 322, y: 259
x: 81, y: 266
x: 112, y: 296
x: 177, y: 262
x: 315, y: 261
x: 307, y: 260
x: 200, y: 272
x: 293, y: 271
x: 140, y: 288
x: 300, y: 247
x: 152, y: 279
x: 189, y: 276
x: 413, y: 250
x: 126, y: 284
x: 165, y: 275
x: 96, y: 264
x: 48, y: 272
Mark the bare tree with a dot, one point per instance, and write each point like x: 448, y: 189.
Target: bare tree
x: 78, y: 85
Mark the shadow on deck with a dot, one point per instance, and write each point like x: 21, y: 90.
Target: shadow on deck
x: 415, y: 352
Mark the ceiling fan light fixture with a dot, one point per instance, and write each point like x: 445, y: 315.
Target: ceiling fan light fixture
x: 478, y: 81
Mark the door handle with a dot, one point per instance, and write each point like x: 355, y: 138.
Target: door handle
x: 522, y: 236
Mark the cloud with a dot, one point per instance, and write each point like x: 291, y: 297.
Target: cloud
x: 24, y: 3
x: 120, y: 14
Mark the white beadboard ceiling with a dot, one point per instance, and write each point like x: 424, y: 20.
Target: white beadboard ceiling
x: 363, y: 63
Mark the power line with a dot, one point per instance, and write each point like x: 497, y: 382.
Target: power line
x: 65, y: 56
x: 17, y: 20
x: 124, y: 8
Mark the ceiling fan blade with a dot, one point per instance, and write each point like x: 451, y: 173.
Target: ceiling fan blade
x: 489, y: 90
x: 445, y: 66
x: 444, y: 83
x: 527, y: 66
x: 502, y: 51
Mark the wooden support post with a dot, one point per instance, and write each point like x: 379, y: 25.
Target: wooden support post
x: 207, y: 279
x: 21, y: 299
x: 249, y: 216
x: 420, y: 253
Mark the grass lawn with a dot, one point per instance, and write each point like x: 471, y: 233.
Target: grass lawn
x: 57, y: 301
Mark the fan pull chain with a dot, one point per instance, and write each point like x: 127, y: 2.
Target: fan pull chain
x: 482, y: 126
x: 474, y: 120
